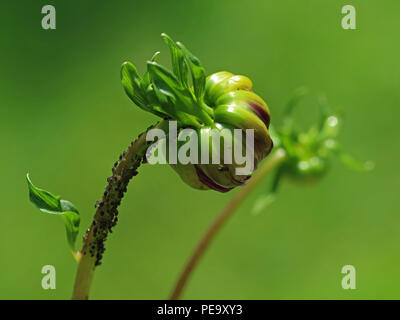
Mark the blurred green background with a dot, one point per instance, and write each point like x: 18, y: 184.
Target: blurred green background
x: 65, y: 119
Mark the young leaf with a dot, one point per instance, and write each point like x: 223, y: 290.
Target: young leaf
x: 49, y: 203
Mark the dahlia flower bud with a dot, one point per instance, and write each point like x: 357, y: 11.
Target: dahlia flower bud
x: 212, y: 107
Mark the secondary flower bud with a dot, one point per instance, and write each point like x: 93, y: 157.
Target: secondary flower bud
x: 310, y: 152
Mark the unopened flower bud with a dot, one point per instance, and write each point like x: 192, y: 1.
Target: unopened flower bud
x: 212, y: 106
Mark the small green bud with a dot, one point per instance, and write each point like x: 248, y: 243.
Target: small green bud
x: 309, y: 153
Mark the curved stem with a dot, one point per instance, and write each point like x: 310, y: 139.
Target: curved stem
x: 272, y: 162
x: 106, y: 215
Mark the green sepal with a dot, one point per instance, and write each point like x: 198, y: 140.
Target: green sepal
x: 46, y: 202
x: 174, y: 99
x: 168, y: 94
x: 131, y: 81
x: 139, y: 90
x: 179, y: 65
x: 145, y: 82
x: 197, y: 71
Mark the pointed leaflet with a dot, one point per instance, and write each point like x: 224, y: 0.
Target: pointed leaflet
x: 49, y: 203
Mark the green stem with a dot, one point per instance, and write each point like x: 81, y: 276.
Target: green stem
x: 271, y: 163
x: 106, y: 214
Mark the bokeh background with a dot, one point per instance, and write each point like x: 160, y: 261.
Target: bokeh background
x: 65, y: 119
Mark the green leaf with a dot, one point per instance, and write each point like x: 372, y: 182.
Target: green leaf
x: 72, y: 221
x: 46, y: 202
x: 197, y: 70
